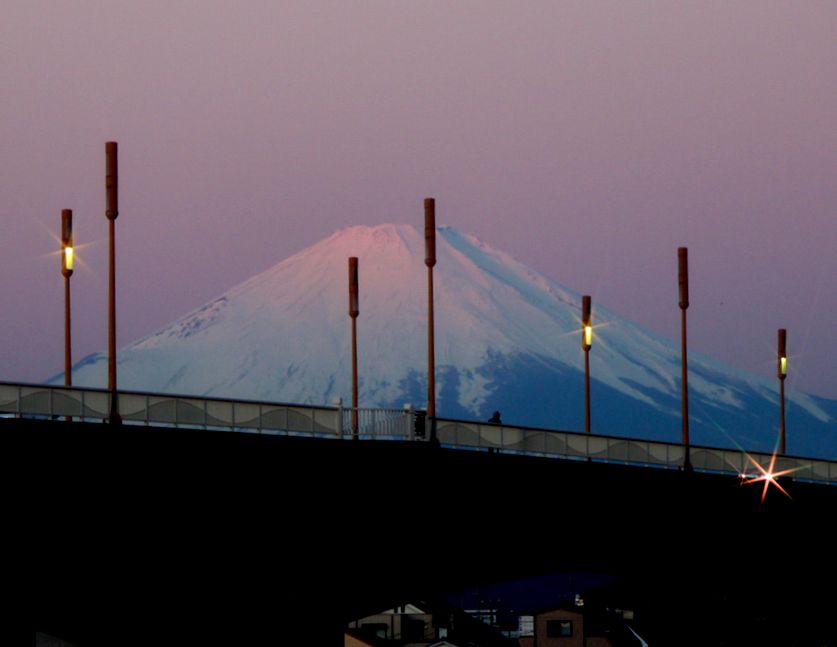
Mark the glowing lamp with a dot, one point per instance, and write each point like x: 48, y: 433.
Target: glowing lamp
x: 66, y: 242
x: 782, y: 353
x: 587, y: 332
x: 586, y: 342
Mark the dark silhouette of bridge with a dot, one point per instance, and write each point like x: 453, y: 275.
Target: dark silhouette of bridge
x: 129, y: 535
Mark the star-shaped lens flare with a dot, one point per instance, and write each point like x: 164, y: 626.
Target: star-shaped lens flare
x: 767, y: 476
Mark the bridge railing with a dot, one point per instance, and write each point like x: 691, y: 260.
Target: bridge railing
x: 137, y: 408
x: 629, y: 451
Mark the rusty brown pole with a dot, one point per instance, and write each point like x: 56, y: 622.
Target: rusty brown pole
x: 354, y: 311
x: 112, y: 211
x: 683, y: 282
x: 586, y: 342
x: 430, y: 261
x: 783, y: 373
x: 67, y: 272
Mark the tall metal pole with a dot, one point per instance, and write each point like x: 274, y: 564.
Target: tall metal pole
x: 112, y: 211
x: 783, y: 373
x: 683, y: 282
x: 430, y: 261
x: 586, y: 343
x: 354, y: 311
x: 67, y: 272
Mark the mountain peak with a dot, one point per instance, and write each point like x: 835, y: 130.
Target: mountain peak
x: 383, y: 231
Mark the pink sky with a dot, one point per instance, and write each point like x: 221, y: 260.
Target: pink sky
x: 588, y: 139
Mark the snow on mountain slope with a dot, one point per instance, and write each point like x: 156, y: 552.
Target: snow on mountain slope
x: 507, y: 338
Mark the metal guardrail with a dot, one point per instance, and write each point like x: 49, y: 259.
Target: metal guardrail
x: 380, y: 424
x: 627, y: 451
x: 137, y: 408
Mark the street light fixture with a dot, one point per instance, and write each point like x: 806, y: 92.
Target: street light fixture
x: 112, y: 211
x: 67, y: 242
x: 430, y: 261
x: 782, y: 358
x: 586, y: 344
x: 354, y: 311
x: 67, y: 272
x: 683, y: 283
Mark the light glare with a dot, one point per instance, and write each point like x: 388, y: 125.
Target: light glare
x: 68, y: 258
x: 588, y: 335
x: 767, y: 476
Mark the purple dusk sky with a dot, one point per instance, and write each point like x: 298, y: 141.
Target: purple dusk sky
x: 588, y: 139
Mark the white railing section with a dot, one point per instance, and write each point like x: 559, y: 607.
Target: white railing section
x: 136, y: 408
x: 380, y: 424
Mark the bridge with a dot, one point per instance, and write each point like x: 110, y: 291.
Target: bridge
x: 189, y: 412
x: 204, y: 521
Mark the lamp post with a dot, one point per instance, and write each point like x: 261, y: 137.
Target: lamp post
x: 354, y: 311
x: 683, y: 283
x: 67, y: 272
x: 586, y: 343
x: 782, y: 358
x: 112, y: 211
x: 430, y: 261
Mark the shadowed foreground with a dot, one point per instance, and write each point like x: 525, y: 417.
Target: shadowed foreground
x: 147, y: 536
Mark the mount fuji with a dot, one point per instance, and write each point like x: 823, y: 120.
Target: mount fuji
x: 507, y: 339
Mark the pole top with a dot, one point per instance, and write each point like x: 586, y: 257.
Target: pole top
x: 585, y: 309
x: 354, y: 309
x: 111, y: 180
x: 66, y: 226
x: 430, y: 232
x: 683, y: 276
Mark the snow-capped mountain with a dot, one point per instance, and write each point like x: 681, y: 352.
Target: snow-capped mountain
x: 507, y: 339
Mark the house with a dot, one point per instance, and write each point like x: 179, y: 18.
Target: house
x: 426, y: 623
x: 404, y: 624
x: 577, y: 626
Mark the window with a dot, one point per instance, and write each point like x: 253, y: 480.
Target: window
x: 559, y: 628
x: 377, y: 629
x: 412, y: 629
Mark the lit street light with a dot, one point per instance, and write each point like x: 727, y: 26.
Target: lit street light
x: 586, y: 343
x: 112, y: 211
x: 782, y: 358
x: 67, y: 272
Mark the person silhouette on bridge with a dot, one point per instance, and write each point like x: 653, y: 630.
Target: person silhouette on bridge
x: 495, y: 418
